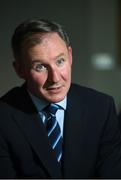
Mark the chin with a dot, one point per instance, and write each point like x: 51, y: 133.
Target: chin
x: 55, y: 99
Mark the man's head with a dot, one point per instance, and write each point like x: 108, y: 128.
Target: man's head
x: 43, y: 58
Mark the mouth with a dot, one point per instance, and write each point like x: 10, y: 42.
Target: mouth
x: 54, y: 89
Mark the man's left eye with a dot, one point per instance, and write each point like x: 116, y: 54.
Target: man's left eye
x: 60, y: 62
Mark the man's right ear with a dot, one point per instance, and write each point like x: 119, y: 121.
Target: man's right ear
x: 19, y: 69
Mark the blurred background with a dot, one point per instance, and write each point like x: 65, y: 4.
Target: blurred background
x: 94, y: 27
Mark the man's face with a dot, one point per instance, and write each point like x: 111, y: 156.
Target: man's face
x: 47, y: 68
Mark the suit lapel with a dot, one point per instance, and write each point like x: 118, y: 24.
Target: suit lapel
x: 35, y: 133
x: 72, y: 130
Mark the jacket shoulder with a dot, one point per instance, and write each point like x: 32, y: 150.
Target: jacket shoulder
x: 87, y: 94
x: 18, y: 98
x: 12, y: 96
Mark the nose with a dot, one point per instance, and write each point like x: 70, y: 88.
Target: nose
x: 53, y: 75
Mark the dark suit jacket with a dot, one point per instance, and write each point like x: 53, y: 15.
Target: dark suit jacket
x: 119, y: 117
x: 92, y: 144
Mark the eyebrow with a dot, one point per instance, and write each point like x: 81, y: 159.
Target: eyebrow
x: 40, y: 61
x: 61, y: 54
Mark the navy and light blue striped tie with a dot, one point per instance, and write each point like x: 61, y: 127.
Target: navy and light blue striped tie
x: 53, y: 130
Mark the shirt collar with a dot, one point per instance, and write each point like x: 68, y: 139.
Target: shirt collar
x: 41, y: 103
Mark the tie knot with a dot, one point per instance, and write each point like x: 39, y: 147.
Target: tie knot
x: 52, y: 108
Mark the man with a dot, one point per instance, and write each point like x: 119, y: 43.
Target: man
x: 119, y: 117
x: 89, y: 139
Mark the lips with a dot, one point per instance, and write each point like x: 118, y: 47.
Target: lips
x: 54, y: 89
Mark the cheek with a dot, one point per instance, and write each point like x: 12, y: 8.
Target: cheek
x: 38, y: 79
x: 66, y: 72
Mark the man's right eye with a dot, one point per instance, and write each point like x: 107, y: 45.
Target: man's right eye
x: 39, y: 67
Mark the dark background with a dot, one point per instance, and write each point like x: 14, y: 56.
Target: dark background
x: 93, y: 27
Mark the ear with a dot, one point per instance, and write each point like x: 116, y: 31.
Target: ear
x: 70, y: 54
x: 19, y: 69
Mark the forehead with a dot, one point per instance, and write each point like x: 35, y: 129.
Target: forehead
x: 45, y: 41
x: 41, y: 38
x: 48, y: 45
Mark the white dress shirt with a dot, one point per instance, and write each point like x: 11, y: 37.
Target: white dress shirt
x: 40, y: 104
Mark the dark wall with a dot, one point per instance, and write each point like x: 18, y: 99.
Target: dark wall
x: 92, y: 26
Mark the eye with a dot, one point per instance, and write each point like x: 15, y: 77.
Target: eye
x: 39, y: 67
x: 60, y: 62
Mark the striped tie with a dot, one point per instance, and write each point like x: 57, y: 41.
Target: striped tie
x: 53, y: 130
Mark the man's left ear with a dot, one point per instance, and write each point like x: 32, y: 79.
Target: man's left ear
x: 70, y: 54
